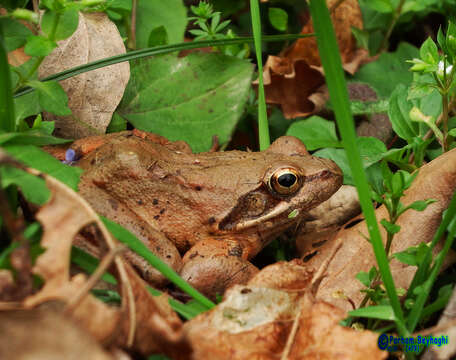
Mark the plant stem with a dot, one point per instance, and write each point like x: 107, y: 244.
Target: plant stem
x: 445, y: 121
x: 132, y: 35
x: 396, y: 14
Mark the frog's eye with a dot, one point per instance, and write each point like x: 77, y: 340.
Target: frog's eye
x: 285, y: 181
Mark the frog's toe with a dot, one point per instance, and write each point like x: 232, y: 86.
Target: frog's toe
x: 213, y: 274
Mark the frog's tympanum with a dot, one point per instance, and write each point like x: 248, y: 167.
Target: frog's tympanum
x: 217, y: 209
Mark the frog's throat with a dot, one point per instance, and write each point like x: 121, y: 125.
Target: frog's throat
x: 278, y: 210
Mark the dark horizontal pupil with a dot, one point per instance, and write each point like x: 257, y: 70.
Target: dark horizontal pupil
x: 287, y: 180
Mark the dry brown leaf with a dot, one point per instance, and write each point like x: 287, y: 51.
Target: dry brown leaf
x: 344, y: 17
x: 319, y: 335
x: 291, y: 78
x: 93, y: 96
x: 290, y: 84
x: 254, y: 322
x: 436, y: 180
x: 143, y: 323
x: 45, y: 334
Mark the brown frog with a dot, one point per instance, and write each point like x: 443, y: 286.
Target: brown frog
x: 219, y: 209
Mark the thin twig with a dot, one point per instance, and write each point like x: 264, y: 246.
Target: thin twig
x: 292, y: 335
x: 95, y: 277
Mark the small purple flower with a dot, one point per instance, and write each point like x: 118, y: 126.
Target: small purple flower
x: 70, y: 157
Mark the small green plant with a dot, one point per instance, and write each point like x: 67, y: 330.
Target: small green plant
x: 436, y: 71
x: 394, y: 185
x: 210, y: 28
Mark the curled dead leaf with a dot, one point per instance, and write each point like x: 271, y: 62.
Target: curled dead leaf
x: 93, y: 96
x: 291, y: 78
x: 255, y: 321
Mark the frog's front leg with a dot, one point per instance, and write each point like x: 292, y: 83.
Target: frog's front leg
x: 212, y: 265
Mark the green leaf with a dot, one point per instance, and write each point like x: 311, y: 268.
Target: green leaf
x: 382, y: 6
x: 429, y: 52
x: 216, y: 89
x: 15, y: 34
x: 32, y: 187
x: 67, y: 23
x: 278, y: 18
x: 7, y: 117
x: 399, y: 111
x: 391, y: 228
x: 389, y: 70
x: 451, y: 39
x: 30, y: 137
x: 51, y: 97
x: 363, y: 277
x: 421, y: 205
x: 34, y: 157
x: 315, y: 132
x: 26, y: 106
x: 383, y: 312
x: 154, y: 13
x: 158, y: 36
x: 117, y: 124
x: 39, y: 46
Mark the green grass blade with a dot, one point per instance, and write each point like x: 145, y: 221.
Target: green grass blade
x: 7, y: 122
x: 157, y: 50
x: 138, y: 247
x: 332, y: 65
x: 262, y: 115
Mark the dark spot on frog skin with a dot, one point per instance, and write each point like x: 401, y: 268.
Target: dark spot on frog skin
x: 92, y: 162
x: 235, y: 251
x: 246, y: 291
x: 114, y: 204
x: 157, y: 248
x: 155, y: 201
x: 194, y: 255
x: 140, y: 202
x: 162, y: 211
x: 156, y: 217
x: 168, y: 256
x: 198, y: 188
x: 211, y: 220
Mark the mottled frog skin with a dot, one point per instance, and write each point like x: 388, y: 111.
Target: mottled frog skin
x: 217, y: 209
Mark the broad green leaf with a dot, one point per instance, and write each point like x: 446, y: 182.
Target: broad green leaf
x: 383, y: 312
x: 39, y: 46
x: 154, y: 13
x: 315, y: 132
x: 26, y: 106
x: 383, y: 6
x: 32, y: 187
x: 389, y: 70
x: 67, y: 23
x: 158, y: 36
x: 15, y: 34
x: 278, y: 18
x: 399, y: 111
x: 34, y: 157
x: 190, y: 98
x: 51, y: 97
x: 117, y: 124
x: 371, y: 151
